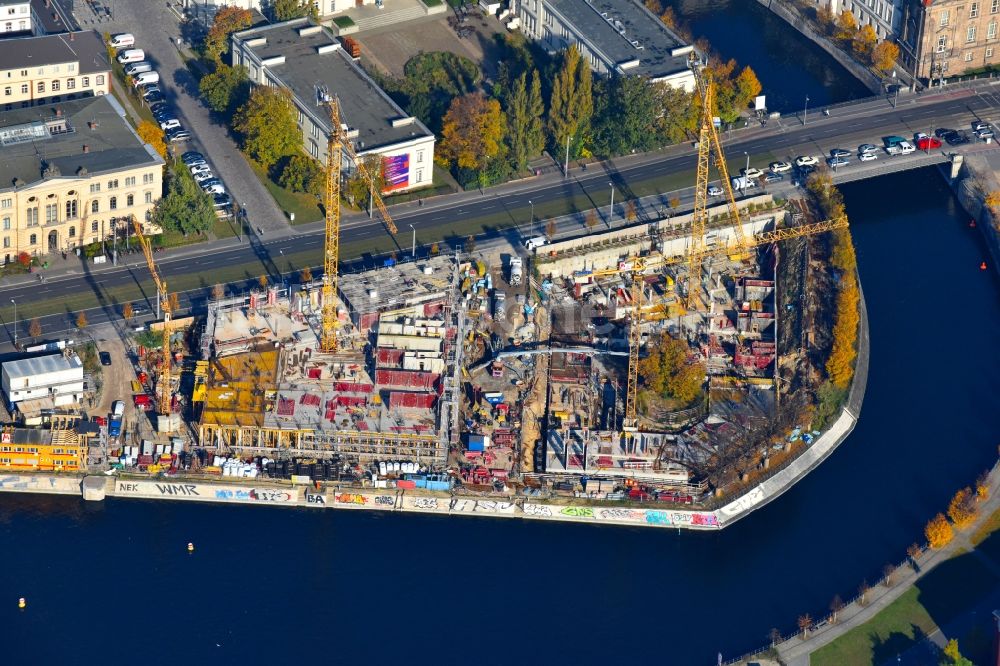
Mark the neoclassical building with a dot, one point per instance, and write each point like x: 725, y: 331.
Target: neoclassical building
x: 70, y: 172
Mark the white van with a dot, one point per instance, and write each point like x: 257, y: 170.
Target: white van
x: 905, y: 148
x: 131, y: 55
x: 533, y: 244
x: 145, y: 79
x: 122, y: 40
x: 138, y: 68
x: 743, y: 183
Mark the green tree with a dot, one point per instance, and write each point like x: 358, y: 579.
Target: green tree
x: 302, y: 174
x: 227, y: 21
x: 472, y: 131
x: 627, y: 112
x: 267, y: 125
x: 286, y: 10
x: 525, y: 109
x: 571, y: 106
x: 358, y: 187
x: 186, y: 208
x: 430, y: 82
x: 225, y: 89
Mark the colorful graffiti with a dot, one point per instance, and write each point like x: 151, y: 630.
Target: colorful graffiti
x: 577, y: 511
x: 621, y: 514
x: 707, y: 519
x: 396, y: 172
x: 351, y: 498
x: 658, y: 517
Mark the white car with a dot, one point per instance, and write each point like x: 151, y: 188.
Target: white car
x: 905, y: 148
x: 752, y: 173
x: 199, y: 168
x: 215, y: 188
x: 867, y: 157
x: 780, y: 167
x: 806, y: 160
x: 202, y: 176
x: 714, y: 191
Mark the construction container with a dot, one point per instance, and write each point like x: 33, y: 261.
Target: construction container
x: 409, y: 379
x: 409, y: 400
x: 406, y: 485
x: 478, y: 442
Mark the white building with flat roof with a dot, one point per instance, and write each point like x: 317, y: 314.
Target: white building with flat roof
x: 15, y: 17
x: 308, y: 61
x: 55, y: 376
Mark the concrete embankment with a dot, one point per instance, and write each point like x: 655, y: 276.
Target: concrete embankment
x: 800, y: 23
x: 976, y: 178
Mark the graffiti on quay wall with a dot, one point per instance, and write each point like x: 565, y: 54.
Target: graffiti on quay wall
x: 462, y: 505
x: 538, y: 510
x: 490, y: 506
x: 253, y: 495
x: 351, y: 498
x: 385, y: 501
x: 657, y: 517
x: 425, y: 503
x: 707, y: 519
x: 633, y: 515
x: 315, y: 498
x: 577, y: 511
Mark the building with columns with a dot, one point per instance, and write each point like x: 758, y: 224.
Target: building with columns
x: 71, y: 172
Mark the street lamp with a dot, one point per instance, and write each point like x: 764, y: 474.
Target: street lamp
x: 566, y: 163
x: 413, y: 251
x: 746, y: 173
x: 15, y: 322
x: 805, y: 110
x: 531, y: 223
x: 611, y: 212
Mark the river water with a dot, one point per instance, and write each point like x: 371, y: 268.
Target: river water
x: 789, y: 66
x: 112, y: 582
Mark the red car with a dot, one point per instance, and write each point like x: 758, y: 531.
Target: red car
x: 928, y: 143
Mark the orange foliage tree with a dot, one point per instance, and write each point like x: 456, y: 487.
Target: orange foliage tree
x: 938, y: 531
x: 962, y: 509
x: 472, y: 131
x: 152, y: 134
x: 884, y: 55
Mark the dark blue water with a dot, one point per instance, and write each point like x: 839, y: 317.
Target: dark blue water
x: 111, y: 583
x: 789, y: 65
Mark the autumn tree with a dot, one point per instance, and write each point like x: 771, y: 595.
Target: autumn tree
x: 914, y: 551
x: 435, y: 250
x: 669, y: 370
x: 805, y: 622
x: 962, y: 508
x: 836, y: 605
x: 840, y: 364
x: 951, y: 656
x: 846, y: 26
x: 286, y: 10
x: 888, y: 575
x: 127, y: 311
x: 525, y: 110
x: 472, y: 131
x: 863, y: 589
x: 983, y: 486
x: 267, y: 125
x: 747, y: 87
x: 674, y: 202
x: 151, y: 133
x: 774, y: 636
x: 305, y: 275
x: 571, y: 103
x: 884, y: 55
x: 550, y: 229
x: 81, y: 320
x: 470, y: 244
x: 992, y: 199
x: 864, y: 41
x: 938, y: 531
x: 227, y: 21
x: 630, y: 211
x: 359, y: 188
x: 591, y: 220
x: 262, y: 281
x: 302, y: 173
x: 825, y: 18
x: 35, y: 328
x: 224, y: 89
x: 218, y: 291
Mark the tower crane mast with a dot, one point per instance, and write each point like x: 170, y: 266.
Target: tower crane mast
x: 163, y: 380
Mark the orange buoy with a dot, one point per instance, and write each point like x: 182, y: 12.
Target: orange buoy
x: 190, y: 547
x: 22, y: 603
x: 982, y: 266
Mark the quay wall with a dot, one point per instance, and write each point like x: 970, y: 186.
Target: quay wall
x: 975, y: 179
x: 800, y: 23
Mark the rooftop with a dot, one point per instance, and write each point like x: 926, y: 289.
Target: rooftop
x: 68, y: 139
x: 85, y: 48
x: 399, y: 286
x: 307, y: 59
x: 46, y: 18
x: 40, y: 365
x: 628, y: 34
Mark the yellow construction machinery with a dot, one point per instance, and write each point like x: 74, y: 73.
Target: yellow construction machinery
x: 163, y: 380
x: 339, y: 145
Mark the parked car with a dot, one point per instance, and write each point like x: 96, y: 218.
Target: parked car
x: 806, y: 160
x: 214, y: 188
x: 714, y: 191
x: 200, y: 165
x: 169, y: 123
x: 191, y: 156
x: 867, y: 148
x: 178, y: 134
x: 979, y: 124
x: 834, y: 162
x: 752, y: 173
x: 984, y: 133
x: 839, y: 152
x: 199, y: 168
x: 928, y: 143
x: 153, y: 96
x: 943, y: 132
x: 203, y: 176
x: 773, y: 178
x: 138, y: 68
x: 957, y: 139
x: 105, y: 358
x: 159, y: 107
x: 222, y: 200
x: 780, y: 167
x: 122, y: 40
x: 905, y: 148
x: 154, y: 89
x: 867, y: 157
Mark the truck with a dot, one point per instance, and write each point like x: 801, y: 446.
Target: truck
x: 499, y: 305
x: 743, y: 183
x: 117, y: 414
x: 57, y: 345
x: 516, y: 268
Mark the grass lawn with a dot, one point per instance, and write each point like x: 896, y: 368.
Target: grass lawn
x: 343, y: 21
x: 942, y: 595
x: 177, y: 239
x: 304, y: 206
x: 224, y: 228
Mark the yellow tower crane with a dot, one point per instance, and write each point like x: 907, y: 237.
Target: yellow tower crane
x: 339, y: 145
x: 708, y: 142
x: 163, y: 380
